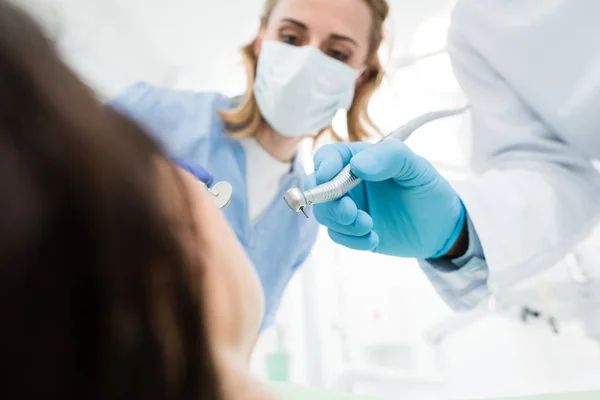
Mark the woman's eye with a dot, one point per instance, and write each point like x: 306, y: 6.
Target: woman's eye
x: 338, y: 55
x: 290, y: 39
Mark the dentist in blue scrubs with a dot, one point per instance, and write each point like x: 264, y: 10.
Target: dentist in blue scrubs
x: 310, y: 59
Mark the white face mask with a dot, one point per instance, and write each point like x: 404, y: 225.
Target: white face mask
x: 299, y: 89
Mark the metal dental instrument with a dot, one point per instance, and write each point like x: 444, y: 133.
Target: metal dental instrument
x: 345, y: 180
x: 221, y: 193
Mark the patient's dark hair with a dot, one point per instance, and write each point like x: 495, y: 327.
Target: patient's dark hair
x: 95, y: 296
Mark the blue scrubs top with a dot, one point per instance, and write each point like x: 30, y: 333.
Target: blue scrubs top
x: 187, y: 125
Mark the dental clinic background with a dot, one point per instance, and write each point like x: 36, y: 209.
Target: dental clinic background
x: 356, y: 320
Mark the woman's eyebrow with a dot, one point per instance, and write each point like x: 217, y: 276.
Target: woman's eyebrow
x: 333, y: 36
x: 295, y: 22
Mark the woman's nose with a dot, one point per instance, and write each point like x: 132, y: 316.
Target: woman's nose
x: 316, y: 42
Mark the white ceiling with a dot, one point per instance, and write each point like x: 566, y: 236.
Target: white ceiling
x: 115, y: 42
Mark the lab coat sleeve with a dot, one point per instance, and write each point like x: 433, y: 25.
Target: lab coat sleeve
x: 534, y: 197
x: 461, y: 282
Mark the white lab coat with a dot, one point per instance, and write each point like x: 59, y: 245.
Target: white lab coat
x: 531, y: 71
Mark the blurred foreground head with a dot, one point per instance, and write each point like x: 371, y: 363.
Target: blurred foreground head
x: 118, y: 277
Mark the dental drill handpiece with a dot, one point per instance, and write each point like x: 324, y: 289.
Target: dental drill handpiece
x: 345, y: 180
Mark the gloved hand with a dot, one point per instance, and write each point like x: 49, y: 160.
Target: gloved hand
x: 199, y: 172
x: 403, y: 208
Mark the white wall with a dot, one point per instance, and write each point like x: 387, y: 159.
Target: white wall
x: 113, y: 43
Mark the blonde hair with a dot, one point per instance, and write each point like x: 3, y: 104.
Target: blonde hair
x: 246, y: 119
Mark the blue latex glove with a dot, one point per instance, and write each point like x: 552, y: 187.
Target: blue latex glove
x: 403, y: 208
x: 196, y: 170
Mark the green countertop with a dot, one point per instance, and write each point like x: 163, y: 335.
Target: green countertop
x: 564, y: 396
x: 295, y: 392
